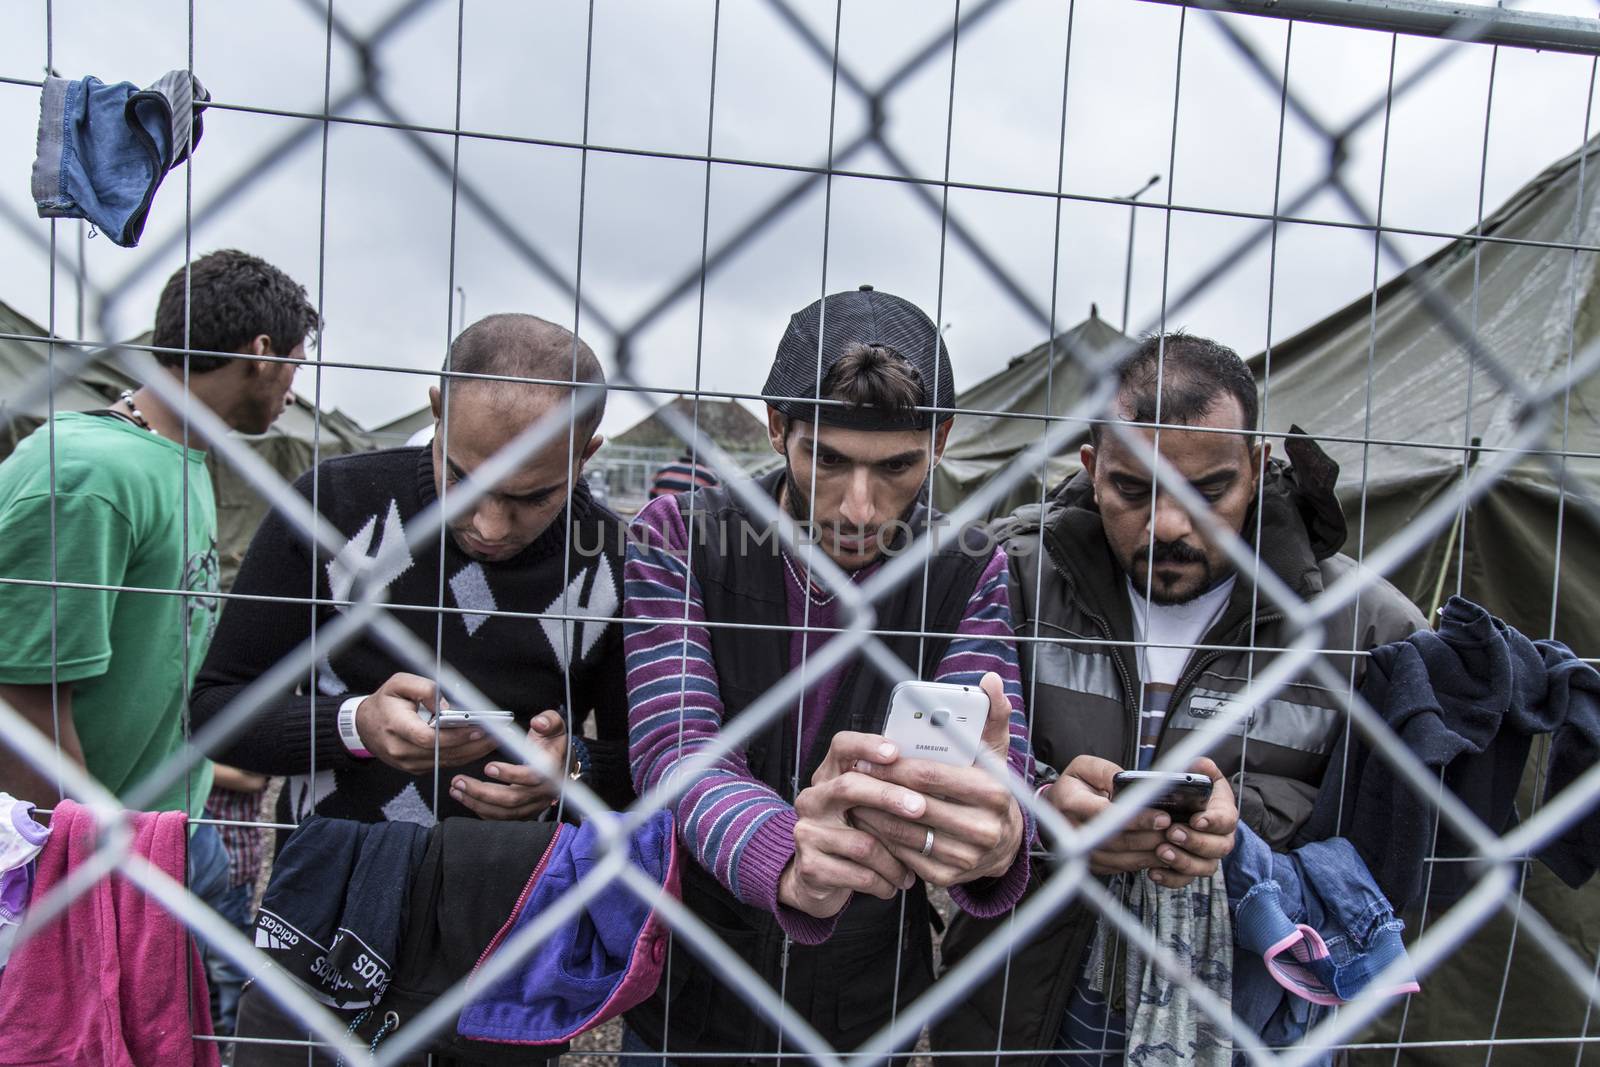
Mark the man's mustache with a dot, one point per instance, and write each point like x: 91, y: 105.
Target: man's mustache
x: 1169, y: 552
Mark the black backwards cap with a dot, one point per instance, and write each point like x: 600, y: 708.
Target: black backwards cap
x: 862, y: 316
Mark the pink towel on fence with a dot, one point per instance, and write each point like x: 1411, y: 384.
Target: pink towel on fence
x: 114, y: 981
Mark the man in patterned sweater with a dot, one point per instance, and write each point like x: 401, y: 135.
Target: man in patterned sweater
x: 489, y: 595
x: 814, y: 840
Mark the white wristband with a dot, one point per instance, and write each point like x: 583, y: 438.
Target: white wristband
x: 347, y: 728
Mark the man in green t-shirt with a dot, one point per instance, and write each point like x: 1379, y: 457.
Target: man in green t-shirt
x: 115, y: 504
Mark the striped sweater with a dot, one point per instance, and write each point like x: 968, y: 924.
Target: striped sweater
x: 735, y: 825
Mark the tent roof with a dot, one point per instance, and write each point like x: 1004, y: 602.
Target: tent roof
x: 406, y: 425
x: 1048, y: 379
x: 1532, y: 305
x: 22, y: 361
x: 1527, y: 299
x: 1385, y: 368
x: 727, y: 422
x: 1045, y: 380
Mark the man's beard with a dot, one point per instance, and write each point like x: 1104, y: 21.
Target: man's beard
x: 796, y: 502
x: 1171, y: 552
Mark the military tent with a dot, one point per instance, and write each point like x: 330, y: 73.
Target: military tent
x: 291, y: 447
x: 1044, y: 381
x: 727, y: 422
x: 404, y: 430
x: 24, y: 362
x: 628, y: 461
x: 1386, y: 369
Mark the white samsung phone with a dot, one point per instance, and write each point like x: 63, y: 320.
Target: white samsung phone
x: 454, y: 717
x: 937, y: 721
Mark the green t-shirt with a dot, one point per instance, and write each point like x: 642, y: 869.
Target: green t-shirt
x: 120, y: 520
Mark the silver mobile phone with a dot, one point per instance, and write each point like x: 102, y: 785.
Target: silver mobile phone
x: 452, y: 718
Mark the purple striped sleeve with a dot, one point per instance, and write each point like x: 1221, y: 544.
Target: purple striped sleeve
x: 982, y: 644
x: 737, y: 827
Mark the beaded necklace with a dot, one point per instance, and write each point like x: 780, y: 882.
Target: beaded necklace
x: 138, y: 416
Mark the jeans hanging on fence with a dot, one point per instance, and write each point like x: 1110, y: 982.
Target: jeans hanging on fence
x: 1312, y: 930
x: 103, y: 149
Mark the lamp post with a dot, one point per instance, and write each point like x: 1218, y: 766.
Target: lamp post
x: 1127, y: 271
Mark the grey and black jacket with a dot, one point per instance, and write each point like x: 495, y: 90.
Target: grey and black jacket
x: 1070, y: 606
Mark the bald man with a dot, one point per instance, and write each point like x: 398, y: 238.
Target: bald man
x: 535, y: 545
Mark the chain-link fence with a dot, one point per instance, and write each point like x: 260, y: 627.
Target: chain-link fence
x: 1453, y: 398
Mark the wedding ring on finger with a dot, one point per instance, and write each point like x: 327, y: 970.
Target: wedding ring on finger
x: 927, y: 843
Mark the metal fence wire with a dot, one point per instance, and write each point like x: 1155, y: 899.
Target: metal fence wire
x: 1537, y: 413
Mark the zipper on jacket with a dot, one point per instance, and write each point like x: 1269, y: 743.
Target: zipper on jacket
x: 1130, y: 702
x: 1191, y: 674
x: 1067, y: 977
x: 522, y: 900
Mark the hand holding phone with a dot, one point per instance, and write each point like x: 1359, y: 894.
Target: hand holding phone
x: 451, y: 718
x: 390, y: 728
x: 1173, y: 847
x: 937, y: 721
x: 1181, y: 796
x: 886, y: 809
x: 511, y: 789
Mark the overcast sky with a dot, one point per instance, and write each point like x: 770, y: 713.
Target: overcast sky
x: 379, y: 258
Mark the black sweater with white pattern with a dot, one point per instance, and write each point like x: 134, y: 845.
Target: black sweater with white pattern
x: 488, y: 629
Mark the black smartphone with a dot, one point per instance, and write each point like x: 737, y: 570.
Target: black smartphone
x: 1183, y: 795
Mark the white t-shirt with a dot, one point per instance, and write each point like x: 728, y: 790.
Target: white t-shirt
x: 1171, y: 630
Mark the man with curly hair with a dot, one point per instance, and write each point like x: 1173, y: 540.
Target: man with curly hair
x: 119, y: 504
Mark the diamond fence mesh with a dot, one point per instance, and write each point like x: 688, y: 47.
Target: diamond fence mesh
x: 1530, y: 442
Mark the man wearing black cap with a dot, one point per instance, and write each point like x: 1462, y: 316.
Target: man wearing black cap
x: 806, y: 884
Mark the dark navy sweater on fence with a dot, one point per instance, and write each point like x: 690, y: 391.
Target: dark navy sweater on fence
x: 1468, y: 699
